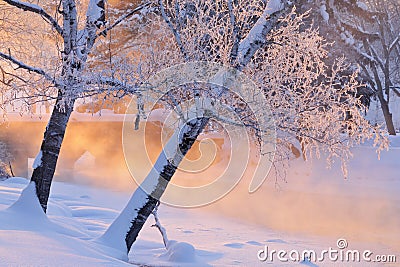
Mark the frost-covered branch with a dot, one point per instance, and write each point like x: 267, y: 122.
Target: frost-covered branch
x: 113, y: 85
x: 123, y: 18
x: 235, y: 32
x: 395, y: 90
x: 160, y: 228
x: 38, y: 10
x: 22, y: 65
x: 394, y: 43
x: 175, y: 32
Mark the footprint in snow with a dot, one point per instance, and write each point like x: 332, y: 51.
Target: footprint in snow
x: 308, y: 263
x: 254, y: 243
x: 276, y: 241
x: 234, y: 245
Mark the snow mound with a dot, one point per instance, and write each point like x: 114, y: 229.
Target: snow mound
x: 29, y: 234
x: 25, y: 213
x: 28, y: 204
x: 394, y: 141
x: 181, y: 254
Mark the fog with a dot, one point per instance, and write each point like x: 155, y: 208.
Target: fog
x: 319, y: 201
x: 312, y: 200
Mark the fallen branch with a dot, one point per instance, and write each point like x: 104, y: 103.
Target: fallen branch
x: 160, y: 227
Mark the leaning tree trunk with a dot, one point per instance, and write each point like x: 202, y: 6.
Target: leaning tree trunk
x: 46, y: 161
x: 145, y: 198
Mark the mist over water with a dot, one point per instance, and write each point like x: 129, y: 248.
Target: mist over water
x: 361, y: 208
x: 313, y: 200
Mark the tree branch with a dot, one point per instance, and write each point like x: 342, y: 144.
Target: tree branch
x: 256, y: 37
x: 116, y: 84
x: 38, y: 10
x: 235, y: 32
x: 24, y: 66
x: 394, y: 43
x: 159, y: 226
x: 173, y: 29
x: 122, y: 18
x: 397, y: 92
x: 368, y: 15
x: 360, y: 33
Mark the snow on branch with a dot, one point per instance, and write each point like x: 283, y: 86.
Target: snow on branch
x: 397, y: 92
x: 177, y: 35
x: 256, y: 37
x: 360, y: 33
x: 38, y: 10
x: 394, y: 43
x: 235, y: 32
x: 158, y: 225
x: 123, y: 17
x: 115, y: 84
x: 96, y: 13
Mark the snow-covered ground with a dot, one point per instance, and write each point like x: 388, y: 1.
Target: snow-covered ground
x: 314, y: 209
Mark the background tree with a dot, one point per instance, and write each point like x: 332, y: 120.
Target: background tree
x: 5, y: 159
x: 367, y: 33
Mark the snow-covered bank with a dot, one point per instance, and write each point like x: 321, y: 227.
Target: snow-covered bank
x: 79, y: 214
x: 310, y: 212
x: 319, y: 201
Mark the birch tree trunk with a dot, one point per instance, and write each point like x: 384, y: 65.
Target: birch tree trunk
x: 74, y: 57
x: 131, y: 220
x: 49, y: 151
x: 77, y: 46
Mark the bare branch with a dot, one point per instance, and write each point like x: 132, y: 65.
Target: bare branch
x: 376, y: 56
x: 159, y: 226
x: 38, y: 10
x: 8, y: 82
